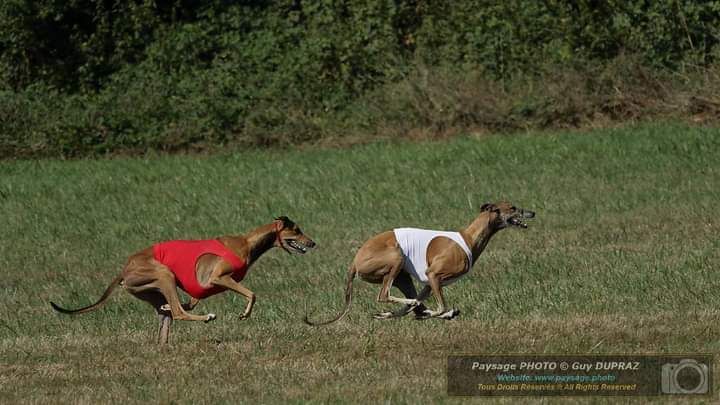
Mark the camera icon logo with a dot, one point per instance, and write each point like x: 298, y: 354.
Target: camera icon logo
x: 687, y: 376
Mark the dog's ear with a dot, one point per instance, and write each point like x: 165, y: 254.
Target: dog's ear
x: 489, y: 207
x: 286, y: 222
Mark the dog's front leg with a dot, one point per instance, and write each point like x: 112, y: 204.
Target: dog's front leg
x: 436, y: 287
x: 228, y: 282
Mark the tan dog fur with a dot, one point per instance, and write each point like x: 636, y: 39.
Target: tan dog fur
x: 380, y: 261
x: 151, y: 281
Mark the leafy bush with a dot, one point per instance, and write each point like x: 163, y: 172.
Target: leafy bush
x: 91, y: 77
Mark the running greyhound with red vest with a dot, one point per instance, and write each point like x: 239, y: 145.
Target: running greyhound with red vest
x: 433, y: 258
x: 200, y: 268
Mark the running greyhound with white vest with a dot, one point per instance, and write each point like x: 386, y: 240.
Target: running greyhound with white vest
x: 433, y: 258
x: 201, y: 268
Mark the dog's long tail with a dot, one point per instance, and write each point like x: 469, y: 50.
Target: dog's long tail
x: 116, y: 282
x: 348, y: 300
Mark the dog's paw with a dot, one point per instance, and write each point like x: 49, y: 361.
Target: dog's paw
x: 210, y: 317
x: 383, y: 315
x: 420, y: 309
x: 451, y: 314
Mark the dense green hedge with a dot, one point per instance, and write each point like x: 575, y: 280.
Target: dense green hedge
x: 94, y: 76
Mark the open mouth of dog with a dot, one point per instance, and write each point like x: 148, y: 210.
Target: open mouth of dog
x: 296, y: 246
x: 518, y: 220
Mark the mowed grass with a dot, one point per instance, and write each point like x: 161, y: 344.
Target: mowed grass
x: 622, y: 258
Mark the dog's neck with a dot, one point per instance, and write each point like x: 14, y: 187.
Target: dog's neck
x: 478, y: 233
x: 261, y: 240
x: 253, y: 244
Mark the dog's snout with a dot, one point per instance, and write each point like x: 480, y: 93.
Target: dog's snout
x: 311, y: 243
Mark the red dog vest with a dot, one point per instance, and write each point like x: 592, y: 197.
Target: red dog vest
x: 181, y: 257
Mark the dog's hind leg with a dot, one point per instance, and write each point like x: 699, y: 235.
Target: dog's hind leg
x: 158, y: 302
x: 168, y: 289
x: 389, y: 279
x: 405, y: 284
x: 385, y: 296
x: 380, y: 262
x: 148, y: 275
x: 395, y: 271
x: 164, y: 329
x: 165, y: 320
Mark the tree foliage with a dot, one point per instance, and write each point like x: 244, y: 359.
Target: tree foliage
x: 110, y: 74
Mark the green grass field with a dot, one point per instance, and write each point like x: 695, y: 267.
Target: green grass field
x: 622, y: 258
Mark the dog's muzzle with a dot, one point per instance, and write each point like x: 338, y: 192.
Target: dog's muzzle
x: 298, y: 246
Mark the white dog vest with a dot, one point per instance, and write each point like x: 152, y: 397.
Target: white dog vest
x: 414, y: 243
